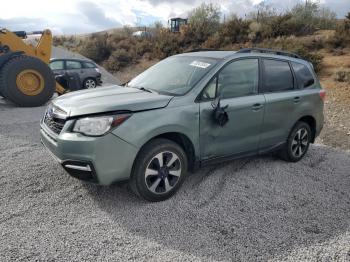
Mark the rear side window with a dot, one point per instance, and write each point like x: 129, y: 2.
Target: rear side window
x: 277, y: 76
x: 303, y: 74
x: 73, y: 65
x: 88, y: 65
x: 57, y: 65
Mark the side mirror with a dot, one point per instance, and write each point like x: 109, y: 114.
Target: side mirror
x: 216, y: 102
x: 220, y: 116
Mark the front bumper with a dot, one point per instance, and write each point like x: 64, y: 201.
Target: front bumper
x: 103, y: 160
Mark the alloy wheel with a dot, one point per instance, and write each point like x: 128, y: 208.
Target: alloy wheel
x: 300, y: 142
x: 90, y: 83
x: 163, y: 172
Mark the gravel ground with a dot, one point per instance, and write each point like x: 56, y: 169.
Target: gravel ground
x: 253, y: 209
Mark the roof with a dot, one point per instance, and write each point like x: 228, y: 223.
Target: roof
x: 72, y: 59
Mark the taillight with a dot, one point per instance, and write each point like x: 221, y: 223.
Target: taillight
x: 323, y: 94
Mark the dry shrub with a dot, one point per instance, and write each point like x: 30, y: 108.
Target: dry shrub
x: 341, y: 37
x: 119, y: 59
x: 167, y: 44
x: 143, y: 46
x: 342, y: 75
x: 338, y: 51
x: 96, y: 48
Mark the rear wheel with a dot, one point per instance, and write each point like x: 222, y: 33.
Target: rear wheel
x: 159, y: 170
x: 298, y: 143
x: 27, y: 81
x: 90, y: 83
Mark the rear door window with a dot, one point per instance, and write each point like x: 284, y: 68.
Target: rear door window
x: 303, y: 75
x: 277, y: 77
x: 73, y: 65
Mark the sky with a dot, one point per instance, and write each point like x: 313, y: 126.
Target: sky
x: 86, y: 16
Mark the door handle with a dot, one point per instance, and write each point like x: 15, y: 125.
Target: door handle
x: 296, y: 99
x: 257, y: 107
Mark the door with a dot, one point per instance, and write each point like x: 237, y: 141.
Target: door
x: 237, y: 86
x: 75, y: 67
x: 282, y: 100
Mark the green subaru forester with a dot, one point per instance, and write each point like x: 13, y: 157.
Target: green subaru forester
x: 187, y: 111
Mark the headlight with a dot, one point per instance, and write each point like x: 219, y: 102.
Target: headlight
x: 98, y: 126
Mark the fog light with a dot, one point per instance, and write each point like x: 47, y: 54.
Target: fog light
x: 81, y: 168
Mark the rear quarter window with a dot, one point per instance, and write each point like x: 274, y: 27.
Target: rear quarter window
x: 89, y: 65
x: 303, y: 74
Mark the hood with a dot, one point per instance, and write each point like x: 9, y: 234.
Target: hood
x: 108, y: 99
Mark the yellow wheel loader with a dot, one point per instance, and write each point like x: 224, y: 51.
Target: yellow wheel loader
x: 25, y: 76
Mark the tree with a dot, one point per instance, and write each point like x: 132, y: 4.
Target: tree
x: 348, y: 16
x: 204, y: 21
x: 311, y: 13
x: 263, y: 13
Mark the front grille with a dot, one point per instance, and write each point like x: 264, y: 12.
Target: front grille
x: 54, y: 123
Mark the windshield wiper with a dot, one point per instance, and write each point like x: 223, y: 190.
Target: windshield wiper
x: 144, y: 89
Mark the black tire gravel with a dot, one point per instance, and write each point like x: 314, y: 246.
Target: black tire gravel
x: 286, y: 153
x: 148, y: 151
x: 8, y: 86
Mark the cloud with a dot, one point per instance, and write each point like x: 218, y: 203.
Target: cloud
x: 21, y: 23
x: 95, y: 16
x: 341, y: 7
x: 85, y: 16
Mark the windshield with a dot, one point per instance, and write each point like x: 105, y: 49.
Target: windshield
x: 175, y: 75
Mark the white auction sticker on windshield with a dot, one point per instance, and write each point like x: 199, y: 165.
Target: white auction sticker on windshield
x: 200, y: 64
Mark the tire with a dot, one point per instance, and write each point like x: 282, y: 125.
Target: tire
x: 298, y: 143
x: 160, y: 183
x: 21, y: 70
x: 89, y: 83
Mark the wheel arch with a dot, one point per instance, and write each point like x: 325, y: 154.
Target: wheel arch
x: 89, y: 77
x: 311, y: 121
x: 183, y: 141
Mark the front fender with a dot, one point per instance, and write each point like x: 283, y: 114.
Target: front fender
x: 143, y: 126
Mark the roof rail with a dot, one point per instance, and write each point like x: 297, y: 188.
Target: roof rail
x: 201, y: 50
x: 268, y: 51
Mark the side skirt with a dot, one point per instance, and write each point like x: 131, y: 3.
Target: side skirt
x: 216, y: 160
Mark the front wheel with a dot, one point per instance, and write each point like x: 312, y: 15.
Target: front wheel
x: 298, y: 143
x: 159, y: 170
